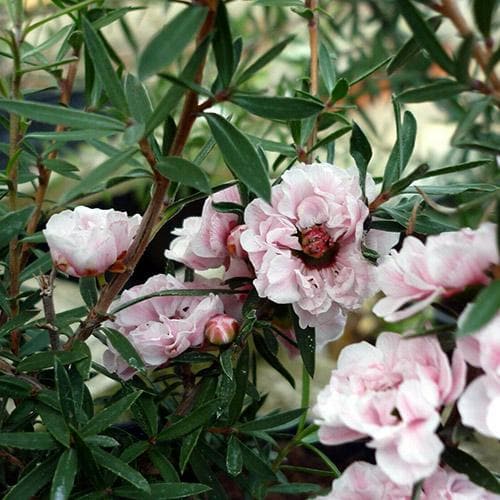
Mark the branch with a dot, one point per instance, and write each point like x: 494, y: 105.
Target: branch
x: 313, y: 72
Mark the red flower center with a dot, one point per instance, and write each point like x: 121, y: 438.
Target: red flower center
x: 318, y: 247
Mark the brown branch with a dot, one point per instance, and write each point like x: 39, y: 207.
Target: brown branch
x: 313, y: 71
x: 99, y: 312
x: 450, y: 9
x: 47, y: 293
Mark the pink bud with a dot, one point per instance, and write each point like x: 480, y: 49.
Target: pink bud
x: 221, y: 329
x: 233, y: 244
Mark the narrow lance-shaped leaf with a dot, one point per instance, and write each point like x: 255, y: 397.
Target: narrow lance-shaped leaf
x: 483, y: 15
x: 27, y: 440
x: 361, y: 152
x: 138, y: 99
x: 234, y: 457
x: 185, y: 172
x: 306, y: 341
x: 441, y: 89
x: 65, y: 392
x: 240, y: 155
x: 59, y: 115
x: 64, y: 476
x: 223, y: 45
x: 166, y: 45
x: 124, y: 347
x: 104, y: 70
x: 327, y: 69
x: 425, y: 35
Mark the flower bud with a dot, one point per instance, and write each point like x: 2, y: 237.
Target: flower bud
x: 221, y: 329
x: 233, y: 244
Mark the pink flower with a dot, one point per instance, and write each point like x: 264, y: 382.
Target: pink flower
x: 446, y: 484
x: 391, y: 392
x: 88, y: 241
x: 479, y: 405
x: 306, y: 246
x: 445, y: 265
x: 212, y: 240
x: 363, y: 481
x: 161, y: 328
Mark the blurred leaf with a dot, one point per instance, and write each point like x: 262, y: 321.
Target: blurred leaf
x: 166, y: 469
x: 425, y: 35
x: 167, y: 44
x: 265, y: 59
x: 271, y: 421
x: 109, y: 415
x: 70, y: 135
x: 64, y: 476
x: 65, y: 393
x: 121, y: 469
x: 138, y: 99
x: 370, y: 71
x: 440, y: 89
x: 88, y: 290
x: 410, y: 48
x: 41, y: 360
x: 234, y: 457
x: 63, y: 168
x: 254, y: 463
x: 11, y: 387
x: 277, y: 108
x: 103, y: 68
x: 457, y: 168
x: 187, y: 84
x: 39, y: 266
x: 27, y: 440
x: 240, y: 155
x: 485, y: 307
x: 59, y: 115
x: 17, y: 322
x: 483, y: 15
x: 306, y: 341
x: 295, y: 488
x: 340, y: 90
x: 92, y: 182
x: 361, y: 151
x: 465, y: 464
x: 271, y: 359
x: 463, y: 58
x: 326, y: 68
x: 33, y: 481
x: 223, y: 45
x: 403, y: 183
x: 164, y: 491
x: 174, y: 94
x: 185, y: 172
x: 454, y: 189
x: 125, y: 348
x: 189, y: 423
x: 12, y: 224
x: 402, y: 150
x: 279, y: 3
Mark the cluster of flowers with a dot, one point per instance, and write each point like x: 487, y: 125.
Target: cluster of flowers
x: 305, y: 249
x: 393, y: 392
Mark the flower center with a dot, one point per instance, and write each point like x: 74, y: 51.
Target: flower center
x: 318, y: 247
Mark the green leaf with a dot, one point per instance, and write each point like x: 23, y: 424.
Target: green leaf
x: 271, y: 421
x: 93, y: 181
x: 124, y: 347
x: 223, y: 45
x: 327, y: 69
x: 189, y: 423
x: 59, y: 115
x: 27, y: 440
x: 41, y: 360
x: 12, y: 223
x: 164, y: 491
x: 10, y: 387
x: 174, y: 94
x: 340, y: 90
x: 483, y: 15
x: 65, y: 393
x: 240, y: 376
x: 410, y: 48
x: 403, y: 183
x: 240, y: 156
x: 295, y: 489
x: 255, y: 463
x: 33, y: 481
x: 403, y: 148
x: 279, y: 3
x: 63, y: 168
x: 361, y: 151
x: 103, y: 68
x: 109, y: 415
x: 146, y: 411
x: 463, y: 58
x: 70, y: 135
x: 465, y: 464
x: 55, y: 424
x: 278, y: 108
x: 166, y: 469
x: 486, y: 305
x: 440, y: 89
x: 138, y: 99
x: 88, y: 290
x: 425, y: 36
x: 234, y: 458
x: 18, y: 321
x: 306, y: 341
x: 39, y: 266
x: 457, y: 168
x: 121, y: 469
x: 185, y: 172
x: 167, y: 44
x: 265, y: 59
x: 64, y: 476
x: 188, y: 445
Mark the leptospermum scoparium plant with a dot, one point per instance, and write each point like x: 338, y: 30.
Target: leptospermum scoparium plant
x: 298, y: 238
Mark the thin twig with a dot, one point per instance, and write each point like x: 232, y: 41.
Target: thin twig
x: 313, y: 72
x: 47, y: 294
